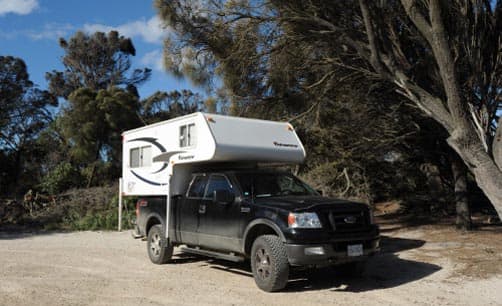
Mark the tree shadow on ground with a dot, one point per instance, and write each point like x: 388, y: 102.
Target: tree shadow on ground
x: 12, y: 232
x: 385, y: 270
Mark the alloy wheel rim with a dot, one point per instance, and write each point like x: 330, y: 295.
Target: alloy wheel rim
x: 262, y: 263
x: 155, y: 245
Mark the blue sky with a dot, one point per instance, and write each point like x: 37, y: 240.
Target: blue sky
x: 30, y: 29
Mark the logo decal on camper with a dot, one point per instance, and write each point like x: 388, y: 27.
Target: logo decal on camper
x: 289, y: 145
x: 154, y: 142
x: 185, y: 157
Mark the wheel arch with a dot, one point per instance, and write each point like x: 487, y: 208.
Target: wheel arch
x: 257, y: 228
x: 152, y: 220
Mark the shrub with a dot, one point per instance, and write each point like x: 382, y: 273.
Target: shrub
x: 82, y: 217
x: 62, y: 177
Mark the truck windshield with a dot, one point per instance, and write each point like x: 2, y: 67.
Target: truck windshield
x: 261, y: 185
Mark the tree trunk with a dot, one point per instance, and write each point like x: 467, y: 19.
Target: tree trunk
x: 488, y: 176
x: 18, y: 169
x: 91, y: 175
x: 459, y: 171
x: 497, y: 145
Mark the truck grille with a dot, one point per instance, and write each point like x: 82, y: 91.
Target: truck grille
x: 347, y: 221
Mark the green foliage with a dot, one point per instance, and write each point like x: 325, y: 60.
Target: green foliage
x: 102, y: 100
x: 93, y: 208
x: 24, y: 109
x: 93, y: 123
x: 81, y: 146
x: 104, y: 219
x: 64, y: 176
x: 166, y: 105
x: 24, y: 112
x: 95, y: 62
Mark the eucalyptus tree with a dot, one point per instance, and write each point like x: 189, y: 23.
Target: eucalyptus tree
x: 25, y: 111
x: 95, y: 61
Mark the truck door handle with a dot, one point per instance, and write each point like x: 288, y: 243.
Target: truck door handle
x: 202, y: 209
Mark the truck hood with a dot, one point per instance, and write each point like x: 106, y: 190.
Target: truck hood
x: 309, y: 203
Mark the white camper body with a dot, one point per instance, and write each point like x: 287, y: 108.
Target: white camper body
x: 151, y: 153
x: 158, y: 159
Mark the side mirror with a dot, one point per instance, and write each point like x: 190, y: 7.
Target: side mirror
x: 223, y: 197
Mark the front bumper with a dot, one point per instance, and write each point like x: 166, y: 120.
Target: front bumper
x: 330, y: 253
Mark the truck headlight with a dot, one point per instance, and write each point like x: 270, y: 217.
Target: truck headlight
x: 304, y: 220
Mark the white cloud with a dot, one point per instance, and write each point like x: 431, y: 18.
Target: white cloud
x: 51, y: 31
x: 153, y: 60
x: 150, y: 30
x: 20, y: 7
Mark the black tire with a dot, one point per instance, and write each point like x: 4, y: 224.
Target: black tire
x: 269, y: 263
x: 352, y: 269
x: 159, y: 249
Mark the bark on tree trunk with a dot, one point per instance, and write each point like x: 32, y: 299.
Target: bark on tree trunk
x: 17, y: 172
x: 488, y: 176
x: 91, y: 175
x: 454, y: 114
x: 459, y: 171
x: 497, y: 145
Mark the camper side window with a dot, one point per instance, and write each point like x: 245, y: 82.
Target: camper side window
x: 188, y: 135
x: 140, y: 157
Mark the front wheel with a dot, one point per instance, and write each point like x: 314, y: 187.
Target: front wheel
x: 269, y: 263
x: 159, y: 248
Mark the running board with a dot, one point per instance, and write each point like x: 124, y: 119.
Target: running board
x: 225, y: 256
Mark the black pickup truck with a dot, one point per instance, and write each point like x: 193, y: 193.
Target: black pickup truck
x: 269, y: 217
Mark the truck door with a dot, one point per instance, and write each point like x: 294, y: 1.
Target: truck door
x: 189, y: 210
x: 219, y: 224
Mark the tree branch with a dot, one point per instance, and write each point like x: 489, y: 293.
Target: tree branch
x: 418, y: 19
x: 374, y: 59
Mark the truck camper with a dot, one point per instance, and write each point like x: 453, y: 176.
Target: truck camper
x: 202, y: 185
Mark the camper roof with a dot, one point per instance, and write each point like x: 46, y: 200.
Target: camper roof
x: 221, y: 138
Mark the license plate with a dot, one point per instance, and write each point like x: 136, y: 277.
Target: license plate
x: 355, y: 250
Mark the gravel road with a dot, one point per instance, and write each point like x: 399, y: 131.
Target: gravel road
x: 111, y: 268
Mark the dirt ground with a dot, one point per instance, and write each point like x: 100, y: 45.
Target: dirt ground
x: 427, y: 265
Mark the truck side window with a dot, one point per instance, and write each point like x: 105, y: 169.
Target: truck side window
x: 246, y: 184
x: 287, y: 183
x: 197, y: 187
x: 217, y: 182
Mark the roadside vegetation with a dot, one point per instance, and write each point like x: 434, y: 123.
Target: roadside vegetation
x: 94, y: 208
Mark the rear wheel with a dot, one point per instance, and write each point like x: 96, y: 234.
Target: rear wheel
x: 159, y: 248
x: 269, y: 263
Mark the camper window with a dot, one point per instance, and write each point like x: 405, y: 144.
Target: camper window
x: 134, y: 158
x: 140, y: 157
x: 188, y: 135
